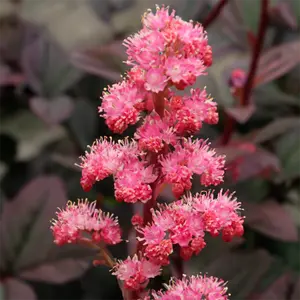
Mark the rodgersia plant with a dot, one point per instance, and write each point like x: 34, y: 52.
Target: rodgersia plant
x: 166, y: 55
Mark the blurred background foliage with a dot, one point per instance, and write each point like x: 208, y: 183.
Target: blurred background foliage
x: 55, y: 59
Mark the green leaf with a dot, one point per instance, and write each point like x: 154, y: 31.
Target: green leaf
x: 288, y: 150
x: 251, y: 13
x: 296, y: 9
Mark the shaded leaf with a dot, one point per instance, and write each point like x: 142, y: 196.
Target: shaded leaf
x: 260, y: 162
x: 15, y: 289
x: 215, y: 248
x: 58, y: 272
x: 276, y: 270
x: 241, y: 114
x: 296, y: 290
x: 52, y: 111
x: 189, y: 9
x: 275, y: 128
x: 25, y: 222
x: 278, y: 289
x: 231, y: 23
x: 7, y: 77
x: 104, y: 61
x: 31, y: 133
x: 64, y: 20
x: 288, y: 150
x: 296, y: 9
x: 94, y: 290
x: 47, y: 67
x: 251, y: 13
x: 243, y: 270
x: 283, y: 14
x: 271, y: 219
x: 271, y: 96
x: 277, y: 61
x: 251, y: 190
x: 236, y: 149
x: 84, y: 122
x: 103, y: 9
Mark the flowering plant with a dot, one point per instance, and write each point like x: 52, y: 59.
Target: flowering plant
x: 166, y: 55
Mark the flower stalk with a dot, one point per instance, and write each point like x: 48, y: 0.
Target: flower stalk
x: 166, y: 55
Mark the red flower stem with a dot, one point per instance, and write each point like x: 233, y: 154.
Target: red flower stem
x: 103, y: 252
x: 245, y: 99
x: 256, y: 52
x: 228, y: 130
x: 159, y: 106
x: 149, y: 205
x: 214, y: 13
x: 159, y: 103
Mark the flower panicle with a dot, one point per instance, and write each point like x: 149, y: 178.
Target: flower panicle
x: 200, y: 286
x: 168, y: 54
x: 83, y: 217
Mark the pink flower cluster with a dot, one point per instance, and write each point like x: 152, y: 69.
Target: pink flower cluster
x: 166, y: 55
x: 185, y: 222
x: 188, y: 158
x: 132, y: 174
x: 136, y: 273
x: 166, y: 52
x: 195, y: 287
x: 82, y: 217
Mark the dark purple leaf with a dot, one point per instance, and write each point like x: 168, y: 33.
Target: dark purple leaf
x: 189, y: 10
x: 47, y: 67
x: 104, y: 61
x: 278, y: 289
x: 271, y: 219
x: 277, y: 61
x: 235, y: 150
x: 25, y: 221
x: 52, y: 111
x: 83, y: 122
x: 257, y: 163
x: 58, y: 272
x: 117, y: 5
x: 15, y: 289
x: 232, y: 24
x: 25, y: 227
x: 282, y: 13
x: 275, y: 128
x: 242, y: 270
x: 296, y: 290
x: 11, y: 38
x: 95, y: 66
x: 241, y: 114
x: 4, y: 73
